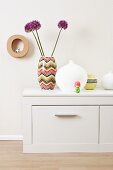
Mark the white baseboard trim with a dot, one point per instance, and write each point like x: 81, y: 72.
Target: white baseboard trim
x: 11, y: 137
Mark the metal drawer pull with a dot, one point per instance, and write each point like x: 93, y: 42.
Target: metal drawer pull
x: 65, y: 115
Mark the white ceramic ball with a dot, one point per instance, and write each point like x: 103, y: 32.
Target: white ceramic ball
x: 67, y: 75
x: 107, y: 81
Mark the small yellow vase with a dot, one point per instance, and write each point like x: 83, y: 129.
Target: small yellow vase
x: 91, y: 82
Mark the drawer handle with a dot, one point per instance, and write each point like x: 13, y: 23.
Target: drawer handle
x: 66, y: 115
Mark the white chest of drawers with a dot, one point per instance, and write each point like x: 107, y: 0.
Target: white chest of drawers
x: 55, y: 121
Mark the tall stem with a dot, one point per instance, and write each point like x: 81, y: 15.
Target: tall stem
x: 56, y: 42
x: 37, y: 43
x: 40, y: 43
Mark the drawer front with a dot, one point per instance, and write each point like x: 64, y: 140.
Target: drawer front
x: 106, y: 124
x: 65, y: 124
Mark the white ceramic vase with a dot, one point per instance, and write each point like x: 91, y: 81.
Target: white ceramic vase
x: 67, y: 75
x: 107, y: 81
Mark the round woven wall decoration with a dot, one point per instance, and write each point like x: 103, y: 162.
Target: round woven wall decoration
x: 12, y: 46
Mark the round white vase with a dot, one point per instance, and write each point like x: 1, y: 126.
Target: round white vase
x: 107, y: 81
x: 67, y: 75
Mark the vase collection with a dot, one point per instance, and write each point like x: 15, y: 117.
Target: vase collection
x: 46, y: 72
x: 66, y: 76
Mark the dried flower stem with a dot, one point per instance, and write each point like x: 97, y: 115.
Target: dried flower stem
x: 42, y: 51
x: 37, y: 43
x: 56, y: 42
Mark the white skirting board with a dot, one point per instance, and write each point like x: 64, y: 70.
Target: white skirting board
x: 11, y: 137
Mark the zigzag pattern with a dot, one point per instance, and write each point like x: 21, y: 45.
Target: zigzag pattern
x: 46, y: 75
x: 46, y: 72
x: 48, y: 79
x: 45, y: 82
x: 47, y: 65
x: 47, y: 59
x: 49, y: 86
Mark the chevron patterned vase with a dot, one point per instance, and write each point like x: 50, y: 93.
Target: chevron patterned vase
x: 46, y: 72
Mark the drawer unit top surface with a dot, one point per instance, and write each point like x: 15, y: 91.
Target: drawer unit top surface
x: 36, y: 92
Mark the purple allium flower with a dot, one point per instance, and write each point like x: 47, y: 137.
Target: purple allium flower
x: 28, y: 27
x: 33, y: 25
x: 63, y: 24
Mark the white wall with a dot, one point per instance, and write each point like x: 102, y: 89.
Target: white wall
x: 88, y: 41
